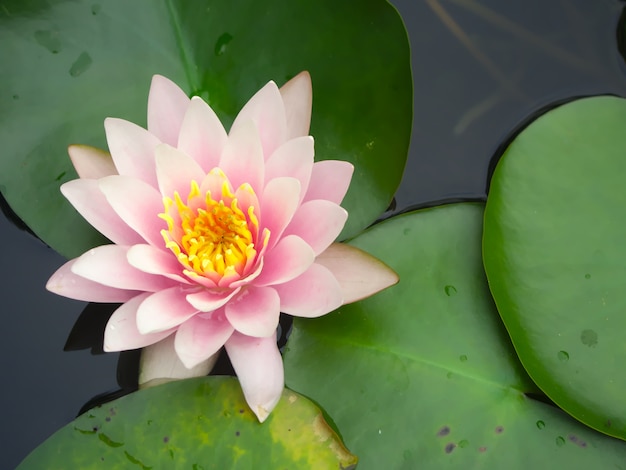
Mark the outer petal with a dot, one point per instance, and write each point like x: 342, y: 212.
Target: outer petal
x: 278, y: 205
x: 91, y: 162
x: 132, y: 149
x: 314, y: 293
x: 267, y: 110
x: 121, y: 331
x: 294, y: 158
x: 242, y: 159
x: 287, y: 260
x: 138, y: 204
x: 259, y: 366
x: 108, y: 265
x: 200, y: 337
x: 64, y: 282
x: 297, y: 95
x: 318, y: 223
x: 202, y: 135
x: 90, y: 202
x: 175, y: 171
x: 166, y: 108
x: 152, y: 260
x: 330, y: 180
x: 360, y: 274
x: 160, y: 363
x: 255, y: 311
x: 164, y: 310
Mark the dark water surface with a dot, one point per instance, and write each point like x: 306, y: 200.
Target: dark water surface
x: 480, y: 69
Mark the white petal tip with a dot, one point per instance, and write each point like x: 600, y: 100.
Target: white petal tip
x: 263, y: 411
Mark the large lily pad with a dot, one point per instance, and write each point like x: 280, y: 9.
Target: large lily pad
x: 195, y: 424
x: 68, y: 65
x: 423, y: 375
x: 555, y: 256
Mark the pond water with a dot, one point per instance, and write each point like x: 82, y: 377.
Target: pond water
x: 481, y: 68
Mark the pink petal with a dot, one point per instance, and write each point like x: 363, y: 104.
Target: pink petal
x: 318, y: 223
x: 287, y: 260
x: 108, y: 265
x: 314, y: 293
x: 200, y: 337
x: 132, y: 148
x: 201, y: 280
x: 330, y: 180
x: 360, y: 274
x: 91, y: 162
x: 167, y: 105
x: 175, y: 171
x: 152, y: 260
x: 294, y: 158
x: 259, y: 366
x: 213, y: 182
x: 138, y: 204
x: 242, y: 159
x: 64, y: 282
x: 164, y: 310
x: 267, y: 110
x: 256, y: 270
x: 121, y: 331
x: 159, y: 362
x: 89, y: 201
x: 255, y: 311
x: 279, y: 203
x: 206, y: 301
x: 202, y: 135
x: 297, y: 96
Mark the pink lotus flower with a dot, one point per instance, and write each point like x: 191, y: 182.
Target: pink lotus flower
x: 215, y: 233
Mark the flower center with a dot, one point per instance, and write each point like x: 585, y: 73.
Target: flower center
x: 210, y: 237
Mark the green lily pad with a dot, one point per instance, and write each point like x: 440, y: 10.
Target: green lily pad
x: 195, y: 424
x: 555, y: 255
x: 423, y: 375
x: 68, y: 65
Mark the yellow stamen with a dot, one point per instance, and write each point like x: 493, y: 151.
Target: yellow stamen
x: 210, y: 236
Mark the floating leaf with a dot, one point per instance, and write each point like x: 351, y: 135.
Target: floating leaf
x: 423, y: 375
x: 194, y: 424
x: 68, y: 65
x: 555, y: 255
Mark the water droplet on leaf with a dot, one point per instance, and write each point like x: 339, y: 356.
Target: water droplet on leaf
x: 462, y: 358
x: 541, y: 424
x: 222, y: 43
x: 450, y: 290
x: 589, y: 338
x: 80, y: 65
x: 49, y: 40
x: 563, y: 356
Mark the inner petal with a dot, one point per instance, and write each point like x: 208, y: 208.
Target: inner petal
x: 210, y: 233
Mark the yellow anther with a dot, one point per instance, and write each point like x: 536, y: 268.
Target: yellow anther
x: 215, y: 238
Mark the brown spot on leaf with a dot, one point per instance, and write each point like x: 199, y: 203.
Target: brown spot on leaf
x: 444, y: 431
x: 450, y: 446
x: 577, y: 440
